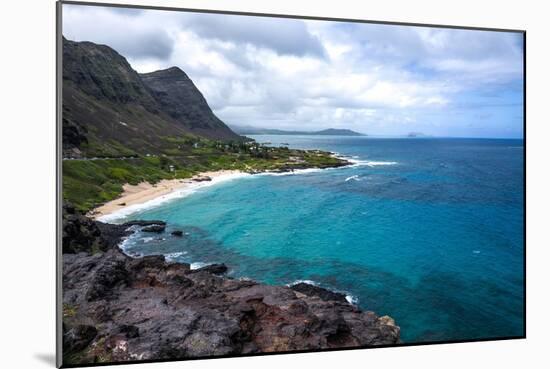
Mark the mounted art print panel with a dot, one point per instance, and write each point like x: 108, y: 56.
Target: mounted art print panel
x: 235, y: 184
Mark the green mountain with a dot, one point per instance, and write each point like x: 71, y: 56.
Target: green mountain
x: 109, y: 110
x: 123, y: 127
x: 249, y: 130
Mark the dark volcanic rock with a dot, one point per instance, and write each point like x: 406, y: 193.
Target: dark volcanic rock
x: 322, y: 293
x: 143, y: 223
x: 177, y: 233
x: 122, y: 309
x: 73, y: 137
x: 175, y: 313
x: 155, y: 228
x: 147, y: 262
x: 105, y: 278
x: 212, y: 268
x: 181, y: 281
x: 131, y: 331
x: 112, y: 234
x: 78, y: 337
x: 202, y: 179
x: 80, y: 234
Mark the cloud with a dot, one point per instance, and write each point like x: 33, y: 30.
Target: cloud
x: 119, y: 28
x: 472, y: 57
x: 296, y: 74
x: 130, y: 12
x: 284, y: 36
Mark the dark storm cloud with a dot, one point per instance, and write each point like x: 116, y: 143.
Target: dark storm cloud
x: 284, y: 36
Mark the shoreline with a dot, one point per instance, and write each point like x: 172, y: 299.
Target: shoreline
x: 146, y: 195
x: 135, y: 197
x: 143, y: 195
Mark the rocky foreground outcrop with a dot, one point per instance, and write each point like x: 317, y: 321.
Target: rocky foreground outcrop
x: 117, y: 308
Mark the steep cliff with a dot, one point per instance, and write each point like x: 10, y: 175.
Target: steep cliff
x: 180, y: 99
x: 109, y: 110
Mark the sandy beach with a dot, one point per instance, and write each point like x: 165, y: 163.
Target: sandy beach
x: 141, y: 193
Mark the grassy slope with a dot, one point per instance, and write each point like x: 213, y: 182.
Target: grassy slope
x: 89, y: 183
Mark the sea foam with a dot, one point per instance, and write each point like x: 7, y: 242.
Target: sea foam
x: 306, y: 281
x: 355, y: 178
x: 370, y: 163
x: 293, y: 172
x: 176, y: 194
x: 198, y: 265
x: 174, y: 255
x: 352, y: 299
x: 349, y: 297
x: 355, y: 161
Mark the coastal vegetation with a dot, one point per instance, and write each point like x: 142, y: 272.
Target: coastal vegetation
x: 121, y: 127
x: 89, y: 182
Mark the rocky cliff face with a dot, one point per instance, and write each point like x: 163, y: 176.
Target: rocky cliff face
x: 80, y: 234
x: 101, y: 72
x: 109, y: 110
x: 181, y: 99
x: 117, y: 308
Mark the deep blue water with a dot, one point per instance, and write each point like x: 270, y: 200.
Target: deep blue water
x: 434, y: 238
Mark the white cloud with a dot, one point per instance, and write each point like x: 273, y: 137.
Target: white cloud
x: 124, y: 31
x: 312, y: 74
x: 283, y: 36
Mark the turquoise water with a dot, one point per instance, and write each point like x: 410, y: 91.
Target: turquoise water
x: 428, y: 231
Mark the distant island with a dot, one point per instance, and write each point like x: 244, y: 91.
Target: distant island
x: 416, y: 134
x: 249, y: 130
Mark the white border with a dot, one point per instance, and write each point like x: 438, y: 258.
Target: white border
x: 28, y: 181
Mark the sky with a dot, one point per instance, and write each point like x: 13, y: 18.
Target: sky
x: 308, y: 74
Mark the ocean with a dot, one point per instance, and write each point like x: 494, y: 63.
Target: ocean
x: 427, y: 230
